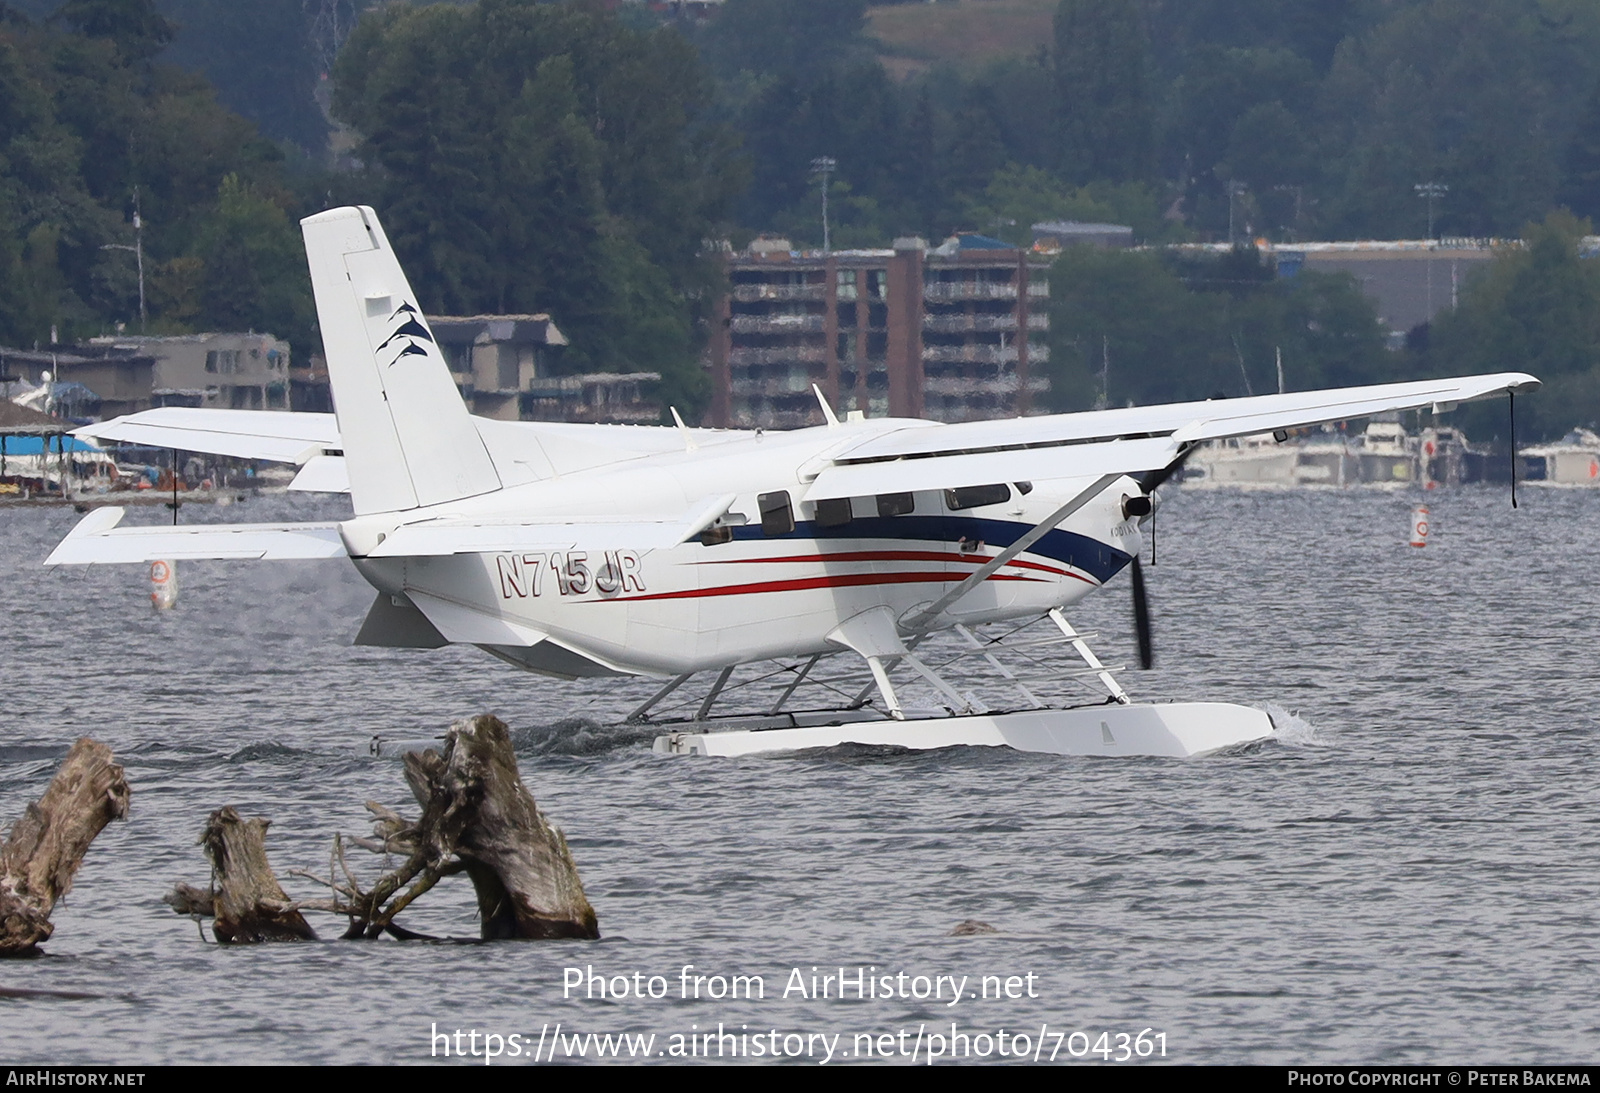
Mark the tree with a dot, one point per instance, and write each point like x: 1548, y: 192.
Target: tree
x: 1580, y: 190
x: 1125, y: 330
x: 1103, y: 111
x: 546, y: 157
x: 258, y: 55
x: 1536, y: 309
x: 1470, y: 93
x: 139, y: 31
x: 1146, y: 327
x: 785, y: 37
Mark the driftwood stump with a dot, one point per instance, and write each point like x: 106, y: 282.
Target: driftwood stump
x: 478, y: 818
x: 245, y: 901
x: 47, y: 844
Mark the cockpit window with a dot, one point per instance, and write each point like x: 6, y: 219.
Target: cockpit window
x: 833, y: 512
x: 896, y: 504
x: 971, y: 497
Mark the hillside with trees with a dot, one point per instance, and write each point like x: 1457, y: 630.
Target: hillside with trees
x: 94, y: 132
x: 568, y: 158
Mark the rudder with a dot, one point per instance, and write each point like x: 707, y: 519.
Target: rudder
x: 408, y: 439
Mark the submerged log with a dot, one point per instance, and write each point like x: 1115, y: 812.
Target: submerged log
x: 247, y: 902
x: 477, y: 817
x: 47, y: 844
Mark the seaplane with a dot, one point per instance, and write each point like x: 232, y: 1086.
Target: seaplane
x: 671, y: 552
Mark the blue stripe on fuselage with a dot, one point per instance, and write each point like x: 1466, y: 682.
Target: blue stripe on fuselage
x: 1099, y: 560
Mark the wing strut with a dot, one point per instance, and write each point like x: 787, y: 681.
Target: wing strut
x: 923, y: 619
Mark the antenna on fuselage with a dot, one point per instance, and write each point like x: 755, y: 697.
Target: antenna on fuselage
x: 827, y: 411
x: 688, y: 438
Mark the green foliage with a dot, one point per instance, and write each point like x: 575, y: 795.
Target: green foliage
x: 1141, y: 327
x: 91, y: 130
x: 1536, y: 309
x: 257, y: 54
x: 785, y: 37
x: 1018, y: 197
x: 546, y: 157
x: 1103, y: 112
x: 138, y: 30
x: 1580, y: 190
x: 1470, y: 93
x: 1241, y: 115
x: 254, y: 266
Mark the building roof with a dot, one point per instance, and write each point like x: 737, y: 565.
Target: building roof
x: 974, y: 241
x: 1078, y: 227
x: 486, y: 329
x: 13, y: 416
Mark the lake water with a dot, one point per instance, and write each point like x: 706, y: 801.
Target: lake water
x: 1406, y: 875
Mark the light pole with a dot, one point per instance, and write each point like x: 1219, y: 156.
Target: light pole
x: 138, y: 252
x: 1430, y: 192
x: 824, y: 166
x: 1235, y: 190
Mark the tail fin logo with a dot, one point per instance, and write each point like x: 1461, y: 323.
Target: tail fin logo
x: 410, y: 331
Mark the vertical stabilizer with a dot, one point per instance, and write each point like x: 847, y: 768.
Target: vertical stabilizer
x: 408, y: 439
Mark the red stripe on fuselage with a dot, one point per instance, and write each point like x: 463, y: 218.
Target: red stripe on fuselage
x: 838, y: 580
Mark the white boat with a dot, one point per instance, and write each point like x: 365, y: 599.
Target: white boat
x: 1384, y: 455
x: 1572, y: 461
x: 1248, y: 462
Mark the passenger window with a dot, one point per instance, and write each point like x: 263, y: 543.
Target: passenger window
x: 895, y: 504
x: 971, y: 497
x: 833, y: 512
x: 777, y: 516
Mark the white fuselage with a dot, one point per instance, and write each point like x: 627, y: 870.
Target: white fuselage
x: 763, y: 592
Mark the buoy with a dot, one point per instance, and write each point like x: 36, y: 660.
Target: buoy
x: 163, y: 584
x: 1419, y: 526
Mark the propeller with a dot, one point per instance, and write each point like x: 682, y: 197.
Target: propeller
x: 1153, y: 480
x: 1141, y: 600
x: 1141, y: 615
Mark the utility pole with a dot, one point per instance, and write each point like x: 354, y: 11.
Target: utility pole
x: 823, y: 166
x: 138, y: 251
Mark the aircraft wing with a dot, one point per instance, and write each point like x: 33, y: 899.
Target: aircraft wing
x: 98, y: 541
x: 1128, y: 440
x: 243, y: 434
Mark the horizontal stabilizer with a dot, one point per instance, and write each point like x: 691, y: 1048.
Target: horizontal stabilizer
x: 439, y: 537
x: 242, y: 434
x: 323, y: 474
x: 98, y: 541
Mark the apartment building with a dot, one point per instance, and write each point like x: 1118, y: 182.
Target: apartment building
x: 952, y: 333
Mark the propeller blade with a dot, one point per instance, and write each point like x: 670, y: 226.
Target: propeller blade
x: 1153, y: 480
x: 1141, y: 615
